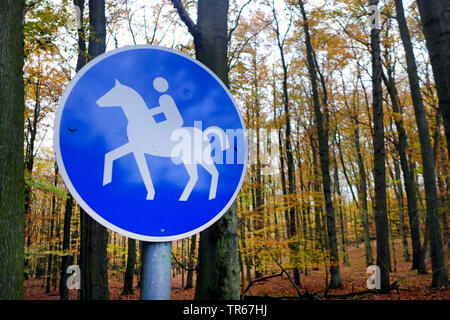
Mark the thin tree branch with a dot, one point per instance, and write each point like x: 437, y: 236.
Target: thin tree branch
x: 251, y: 283
x: 236, y: 24
x: 184, y: 16
x: 182, y: 265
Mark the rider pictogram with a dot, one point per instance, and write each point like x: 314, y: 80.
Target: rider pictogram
x: 146, y: 135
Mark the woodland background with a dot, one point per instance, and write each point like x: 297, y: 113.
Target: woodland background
x: 349, y: 161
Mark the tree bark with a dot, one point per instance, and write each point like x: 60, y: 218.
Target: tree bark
x: 218, y: 274
x: 337, y: 190
x: 438, y: 51
x: 50, y: 237
x: 281, y: 155
x: 12, y: 221
x: 408, y: 178
x: 218, y: 268
x: 190, y: 272
x: 94, y: 237
x: 435, y: 17
x: 129, y: 272
x: 401, y: 204
x: 362, y: 195
x: 317, y: 202
x: 67, y: 259
x: 259, y: 199
x: 381, y: 220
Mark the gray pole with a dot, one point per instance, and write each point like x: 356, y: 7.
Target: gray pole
x: 155, y: 282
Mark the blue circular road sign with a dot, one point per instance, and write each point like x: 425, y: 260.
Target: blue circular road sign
x: 150, y: 143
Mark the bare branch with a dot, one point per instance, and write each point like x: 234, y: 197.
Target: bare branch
x: 251, y: 283
x: 182, y: 265
x: 184, y: 16
x: 236, y: 23
x: 237, y: 51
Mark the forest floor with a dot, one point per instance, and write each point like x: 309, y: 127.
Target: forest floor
x: 411, y: 285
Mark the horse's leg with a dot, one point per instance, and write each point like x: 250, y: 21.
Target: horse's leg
x: 109, y: 159
x: 211, y: 168
x: 193, y: 177
x: 145, y: 174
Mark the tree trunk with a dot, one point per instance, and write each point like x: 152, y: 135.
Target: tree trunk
x: 259, y: 200
x: 438, y: 51
x: 362, y: 195
x: 381, y: 221
x: 337, y: 190
x: 50, y: 238
x: 218, y: 274
x: 190, y: 272
x: 12, y: 222
x: 291, y: 227
x: 335, y: 281
x: 435, y: 17
x: 443, y: 180
x: 129, y: 272
x: 408, y: 178
x: 317, y: 204
x: 93, y: 259
x: 401, y: 207
x: 355, y: 222
x: 67, y: 258
x: 94, y: 237
x: 218, y: 268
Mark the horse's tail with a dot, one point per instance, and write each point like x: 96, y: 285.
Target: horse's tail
x: 219, y: 134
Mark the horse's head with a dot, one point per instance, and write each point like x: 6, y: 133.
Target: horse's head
x: 113, y: 98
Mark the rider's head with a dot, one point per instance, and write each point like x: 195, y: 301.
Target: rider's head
x: 160, y: 84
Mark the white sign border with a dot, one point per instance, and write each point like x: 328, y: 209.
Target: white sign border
x: 73, y: 191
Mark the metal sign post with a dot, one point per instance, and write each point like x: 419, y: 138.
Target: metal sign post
x: 156, y: 263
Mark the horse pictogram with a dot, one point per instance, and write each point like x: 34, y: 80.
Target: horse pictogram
x: 154, y: 131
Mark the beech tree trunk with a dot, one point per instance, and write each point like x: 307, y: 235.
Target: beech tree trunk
x: 381, y: 220
x: 190, y: 272
x: 259, y: 199
x: 362, y: 195
x: 218, y: 273
x: 418, y: 262
x: 94, y: 237
x: 50, y: 239
x: 337, y: 190
x: 435, y: 17
x: 335, y: 281
x: 12, y: 219
x: 67, y: 259
x: 218, y: 268
x: 291, y: 228
x: 129, y: 272
x: 402, y: 229
x: 438, y: 45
